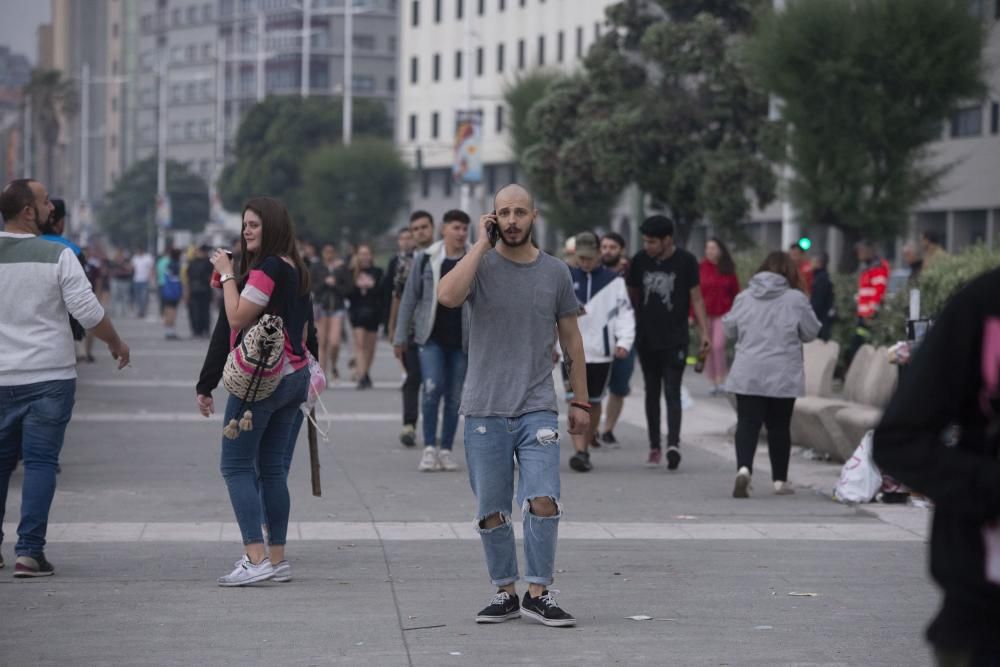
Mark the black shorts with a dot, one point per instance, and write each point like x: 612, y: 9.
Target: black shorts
x: 366, y: 321
x: 597, y: 381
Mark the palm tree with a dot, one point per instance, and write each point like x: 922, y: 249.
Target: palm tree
x: 53, y: 102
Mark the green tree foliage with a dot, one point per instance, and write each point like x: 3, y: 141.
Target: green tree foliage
x: 588, y: 208
x: 664, y: 102
x: 276, y: 137
x: 865, y: 86
x: 353, y: 191
x: 129, y: 210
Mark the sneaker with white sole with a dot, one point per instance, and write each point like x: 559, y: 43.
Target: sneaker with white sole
x: 503, y: 607
x: 783, y: 488
x: 429, y: 461
x: 741, y: 489
x: 282, y: 572
x: 673, y: 457
x: 247, y: 573
x: 545, y: 610
x: 447, y: 461
x: 28, y: 567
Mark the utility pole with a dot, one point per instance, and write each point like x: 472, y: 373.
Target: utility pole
x: 465, y: 189
x: 84, y: 135
x: 161, y: 151
x: 220, y: 108
x: 348, y: 100
x: 790, y: 230
x: 306, y: 46
x: 260, y: 55
x: 26, y: 140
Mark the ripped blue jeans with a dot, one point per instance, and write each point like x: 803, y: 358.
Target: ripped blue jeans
x: 490, y: 446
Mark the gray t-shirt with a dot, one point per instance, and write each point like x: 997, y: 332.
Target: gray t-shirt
x: 514, y: 309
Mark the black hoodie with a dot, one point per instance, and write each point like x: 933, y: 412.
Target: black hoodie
x: 955, y: 382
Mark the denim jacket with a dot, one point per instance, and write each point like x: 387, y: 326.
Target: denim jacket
x: 419, y: 303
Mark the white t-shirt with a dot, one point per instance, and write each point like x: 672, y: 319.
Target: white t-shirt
x: 143, y: 265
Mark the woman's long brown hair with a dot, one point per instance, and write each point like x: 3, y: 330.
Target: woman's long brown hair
x: 782, y: 264
x: 277, y: 238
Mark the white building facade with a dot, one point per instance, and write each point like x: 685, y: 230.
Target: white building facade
x: 458, y: 55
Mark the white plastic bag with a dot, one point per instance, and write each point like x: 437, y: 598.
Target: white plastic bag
x: 860, y: 479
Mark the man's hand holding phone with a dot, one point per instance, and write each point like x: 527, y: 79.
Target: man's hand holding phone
x: 489, y: 229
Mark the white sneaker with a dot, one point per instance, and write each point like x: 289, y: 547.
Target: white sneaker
x: 282, y: 572
x: 248, y: 573
x: 783, y: 488
x: 742, y: 487
x: 429, y: 461
x: 446, y: 460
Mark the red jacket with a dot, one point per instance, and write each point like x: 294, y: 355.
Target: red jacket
x: 871, y: 287
x: 717, y: 289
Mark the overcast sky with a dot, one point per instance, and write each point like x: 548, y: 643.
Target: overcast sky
x: 19, y: 25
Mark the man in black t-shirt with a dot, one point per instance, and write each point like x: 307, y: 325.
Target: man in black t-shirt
x: 663, y: 283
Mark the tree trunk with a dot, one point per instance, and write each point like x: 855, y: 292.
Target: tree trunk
x: 848, y: 260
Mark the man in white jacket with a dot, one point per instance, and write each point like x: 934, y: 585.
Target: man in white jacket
x: 607, y: 324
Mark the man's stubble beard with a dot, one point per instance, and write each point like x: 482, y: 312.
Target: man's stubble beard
x: 613, y: 263
x: 523, y: 241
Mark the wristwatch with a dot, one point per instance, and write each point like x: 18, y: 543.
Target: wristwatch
x: 223, y: 277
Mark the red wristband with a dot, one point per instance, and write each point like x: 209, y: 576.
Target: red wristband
x: 581, y: 405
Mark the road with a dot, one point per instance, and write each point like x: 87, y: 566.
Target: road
x: 389, y: 571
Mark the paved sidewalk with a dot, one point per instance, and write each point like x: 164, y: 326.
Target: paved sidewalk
x: 388, y: 569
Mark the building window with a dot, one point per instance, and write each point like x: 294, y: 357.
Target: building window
x: 459, y: 9
x: 499, y: 120
x: 520, y: 54
x: 503, y: 5
x: 415, y: 13
x: 560, y: 46
x: 206, y: 128
x: 390, y: 84
x: 995, y: 111
x: 206, y: 51
x: 480, y: 58
x: 191, y: 53
x: 114, y: 31
x: 414, y: 67
x: 541, y: 50
x: 206, y: 12
x: 392, y: 43
x: 192, y: 15
x: 146, y: 22
x: 458, y: 64
x: 189, y: 130
x: 425, y: 183
x: 437, y: 11
x: 413, y: 127
x: 363, y: 83
x: 482, y: 7
x: 448, y: 181
x: 192, y: 92
x: 500, y: 58
x: 579, y: 42
x: 435, y: 122
x: 436, y: 69
x: 364, y: 42
x: 176, y: 17
x: 967, y: 122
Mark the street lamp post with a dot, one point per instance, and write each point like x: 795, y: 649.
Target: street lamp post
x: 348, y: 100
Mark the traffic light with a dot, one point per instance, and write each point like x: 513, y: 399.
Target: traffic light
x: 805, y: 243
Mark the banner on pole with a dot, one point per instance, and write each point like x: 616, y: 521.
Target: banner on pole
x: 163, y: 214
x: 468, y: 164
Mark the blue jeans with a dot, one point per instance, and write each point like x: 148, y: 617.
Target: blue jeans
x: 490, y: 445
x: 443, y: 371
x: 33, y: 419
x: 140, y: 294
x: 255, y: 464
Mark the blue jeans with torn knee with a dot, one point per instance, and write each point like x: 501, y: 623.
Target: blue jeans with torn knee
x: 490, y: 446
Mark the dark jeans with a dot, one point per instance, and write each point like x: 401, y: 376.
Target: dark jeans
x: 198, y: 313
x: 776, y: 413
x: 411, y: 387
x: 255, y: 464
x: 443, y: 368
x: 33, y: 419
x: 663, y: 370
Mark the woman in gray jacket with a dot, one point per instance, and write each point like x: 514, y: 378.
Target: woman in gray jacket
x: 770, y: 320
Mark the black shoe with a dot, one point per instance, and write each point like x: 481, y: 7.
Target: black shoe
x: 545, y: 610
x: 580, y: 462
x: 27, y: 567
x: 609, y: 438
x: 502, y: 607
x: 409, y: 436
x: 673, y: 457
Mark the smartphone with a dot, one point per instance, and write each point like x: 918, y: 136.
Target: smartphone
x: 214, y: 280
x: 493, y: 230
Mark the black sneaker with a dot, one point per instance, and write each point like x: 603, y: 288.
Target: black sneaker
x: 502, y: 607
x: 545, y: 610
x: 673, y: 457
x: 609, y: 438
x: 32, y: 566
x: 580, y: 462
x: 409, y: 436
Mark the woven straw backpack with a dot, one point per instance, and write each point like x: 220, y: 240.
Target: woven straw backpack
x: 253, y: 369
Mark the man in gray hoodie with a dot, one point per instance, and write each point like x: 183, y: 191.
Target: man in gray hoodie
x: 442, y: 334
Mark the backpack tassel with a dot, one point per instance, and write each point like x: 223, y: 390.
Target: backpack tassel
x: 232, y: 429
x: 246, y: 424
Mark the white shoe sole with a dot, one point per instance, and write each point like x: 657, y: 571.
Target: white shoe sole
x: 498, y: 619
x: 245, y: 582
x: 282, y: 579
x: 563, y: 623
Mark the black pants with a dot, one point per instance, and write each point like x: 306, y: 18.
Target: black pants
x: 776, y: 413
x: 411, y: 387
x: 663, y: 370
x: 198, y: 313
